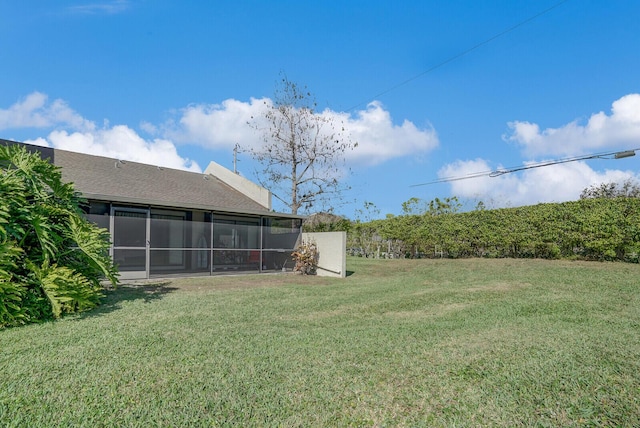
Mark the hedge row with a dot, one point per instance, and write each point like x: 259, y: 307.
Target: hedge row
x: 593, y: 229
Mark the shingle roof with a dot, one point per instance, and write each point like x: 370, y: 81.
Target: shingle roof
x: 109, y: 179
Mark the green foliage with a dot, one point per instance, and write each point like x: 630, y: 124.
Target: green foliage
x: 51, y: 259
x: 437, y: 206
x: 591, y: 229
x: 326, y: 222
x: 414, y: 206
x: 444, y: 206
x: 11, y: 309
x: 65, y: 289
x: 363, y: 236
x: 627, y: 189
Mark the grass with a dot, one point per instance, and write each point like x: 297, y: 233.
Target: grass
x: 397, y: 343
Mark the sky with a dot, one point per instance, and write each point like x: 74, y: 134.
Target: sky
x: 428, y: 89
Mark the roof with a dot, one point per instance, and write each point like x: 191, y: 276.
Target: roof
x: 113, y: 180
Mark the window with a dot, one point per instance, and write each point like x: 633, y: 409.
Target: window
x: 98, y: 213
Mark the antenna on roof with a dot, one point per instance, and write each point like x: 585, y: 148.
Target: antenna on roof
x: 235, y: 158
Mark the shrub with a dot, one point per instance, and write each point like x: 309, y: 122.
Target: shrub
x: 52, y: 260
x: 306, y: 258
x: 591, y: 229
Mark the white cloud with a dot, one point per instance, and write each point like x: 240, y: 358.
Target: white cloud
x: 105, y: 7
x: 70, y: 131
x: 601, y: 132
x: 380, y: 140
x: 218, y: 126
x: 468, y: 187
x: 224, y: 125
x: 34, y: 111
x: 214, y: 126
x: 121, y: 142
x: 556, y: 183
x: 148, y: 127
x: 39, y: 142
x: 560, y: 182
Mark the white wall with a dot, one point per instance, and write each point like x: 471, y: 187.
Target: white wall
x: 332, y: 252
x: 241, y: 184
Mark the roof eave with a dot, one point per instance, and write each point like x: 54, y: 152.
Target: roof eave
x: 159, y: 204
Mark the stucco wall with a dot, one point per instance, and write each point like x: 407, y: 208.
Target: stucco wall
x: 332, y: 252
x: 241, y: 184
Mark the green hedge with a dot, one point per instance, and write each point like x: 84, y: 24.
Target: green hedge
x: 592, y: 229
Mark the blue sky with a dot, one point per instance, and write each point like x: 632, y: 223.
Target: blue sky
x: 173, y: 82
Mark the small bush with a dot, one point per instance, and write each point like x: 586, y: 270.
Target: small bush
x: 306, y: 258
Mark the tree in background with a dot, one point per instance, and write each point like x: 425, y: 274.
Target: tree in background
x: 437, y: 206
x: 326, y: 222
x: 628, y: 189
x: 52, y: 260
x: 414, y: 206
x: 363, y: 237
x: 303, y: 152
x: 449, y: 205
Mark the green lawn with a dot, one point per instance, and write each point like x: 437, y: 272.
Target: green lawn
x: 397, y: 343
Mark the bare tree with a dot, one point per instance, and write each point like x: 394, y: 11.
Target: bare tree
x: 302, y: 156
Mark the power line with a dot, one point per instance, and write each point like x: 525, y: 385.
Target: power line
x: 502, y: 171
x: 461, y: 54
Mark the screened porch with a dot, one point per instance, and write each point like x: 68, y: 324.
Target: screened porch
x: 154, y: 242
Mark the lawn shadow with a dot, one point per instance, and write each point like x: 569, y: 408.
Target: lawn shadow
x: 349, y: 273
x: 114, y: 297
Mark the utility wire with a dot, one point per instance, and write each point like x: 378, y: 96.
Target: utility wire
x: 502, y: 171
x: 461, y: 54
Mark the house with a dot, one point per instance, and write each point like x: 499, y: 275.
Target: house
x: 166, y: 222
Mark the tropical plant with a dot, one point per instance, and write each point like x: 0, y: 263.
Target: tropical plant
x: 52, y: 260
